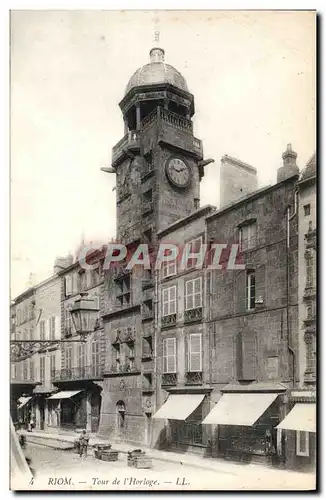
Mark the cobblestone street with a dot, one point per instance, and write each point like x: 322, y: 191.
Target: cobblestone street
x: 65, y: 470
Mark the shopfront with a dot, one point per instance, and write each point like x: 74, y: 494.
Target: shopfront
x: 184, y: 414
x: 299, y: 430
x: 246, y: 426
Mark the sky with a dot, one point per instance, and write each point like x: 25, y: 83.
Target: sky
x: 252, y: 74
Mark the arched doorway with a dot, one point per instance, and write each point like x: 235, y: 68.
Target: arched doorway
x: 121, y: 412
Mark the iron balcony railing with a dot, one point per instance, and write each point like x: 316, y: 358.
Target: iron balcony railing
x: 124, y: 368
x: 77, y: 373
x: 169, y: 320
x: 169, y: 379
x: 193, y: 315
x: 194, y: 378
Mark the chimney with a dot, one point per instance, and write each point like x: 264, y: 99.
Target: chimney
x: 237, y: 179
x: 61, y: 263
x: 289, y: 167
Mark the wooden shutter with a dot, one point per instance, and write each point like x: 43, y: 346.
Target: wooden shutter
x: 238, y: 355
x: 170, y: 355
x: 189, y: 295
x: 249, y: 360
x: 195, y: 352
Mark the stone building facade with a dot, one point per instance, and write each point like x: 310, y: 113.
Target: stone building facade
x: 79, y: 374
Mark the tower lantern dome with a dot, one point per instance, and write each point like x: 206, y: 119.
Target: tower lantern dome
x: 156, y: 72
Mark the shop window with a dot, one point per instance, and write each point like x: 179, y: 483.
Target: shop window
x: 303, y: 443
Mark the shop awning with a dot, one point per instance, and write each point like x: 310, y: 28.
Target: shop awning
x: 64, y: 395
x: 179, y: 406
x: 23, y: 401
x: 302, y: 417
x: 240, y: 408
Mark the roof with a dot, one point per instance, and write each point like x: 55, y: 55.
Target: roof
x: 310, y: 169
x: 157, y: 71
x: 200, y: 212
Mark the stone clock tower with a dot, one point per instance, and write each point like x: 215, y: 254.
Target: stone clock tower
x: 158, y: 162
x: 158, y: 166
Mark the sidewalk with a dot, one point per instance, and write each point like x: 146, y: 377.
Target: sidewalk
x: 66, y: 441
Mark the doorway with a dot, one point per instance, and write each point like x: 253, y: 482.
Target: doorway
x: 121, y: 412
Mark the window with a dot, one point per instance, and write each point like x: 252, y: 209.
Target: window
x: 194, y: 353
x: 52, y: 366
x: 25, y: 370
x: 169, y: 300
x: 116, y: 355
x: 169, y: 268
x: 82, y: 280
x: 250, y: 290
x: 42, y: 330
x: 193, y: 294
x: 68, y: 285
x: 95, y: 358
x: 272, y: 367
x: 193, y: 247
x: 52, y: 327
x: 81, y: 355
x: 169, y: 355
x: 303, y: 443
x: 42, y: 369
x: 306, y: 209
x: 68, y: 357
x: 68, y: 320
x: 247, y: 236
x: 31, y: 369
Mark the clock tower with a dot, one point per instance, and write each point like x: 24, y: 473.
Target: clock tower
x: 158, y: 162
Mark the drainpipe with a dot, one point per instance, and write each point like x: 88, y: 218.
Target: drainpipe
x: 156, y: 277
x: 290, y: 348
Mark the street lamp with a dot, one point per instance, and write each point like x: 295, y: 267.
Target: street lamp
x: 84, y: 314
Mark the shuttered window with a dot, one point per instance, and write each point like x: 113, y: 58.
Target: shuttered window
x: 246, y: 356
x: 195, y: 352
x: 42, y: 369
x: 52, y: 327
x: 169, y: 355
x: 95, y: 358
x: 169, y: 300
x: 193, y: 294
x: 42, y: 330
x: 81, y: 355
x: 52, y: 365
x: 68, y: 357
x: 31, y: 370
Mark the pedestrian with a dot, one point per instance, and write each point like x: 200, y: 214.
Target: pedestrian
x: 83, y: 443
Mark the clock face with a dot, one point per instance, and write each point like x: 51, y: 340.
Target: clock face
x: 178, y: 172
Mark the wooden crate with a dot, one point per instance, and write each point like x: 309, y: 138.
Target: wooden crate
x: 109, y: 456
x: 140, y: 462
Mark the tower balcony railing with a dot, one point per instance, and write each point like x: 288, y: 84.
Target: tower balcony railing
x: 175, y: 120
x: 131, y: 141
x: 92, y: 372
